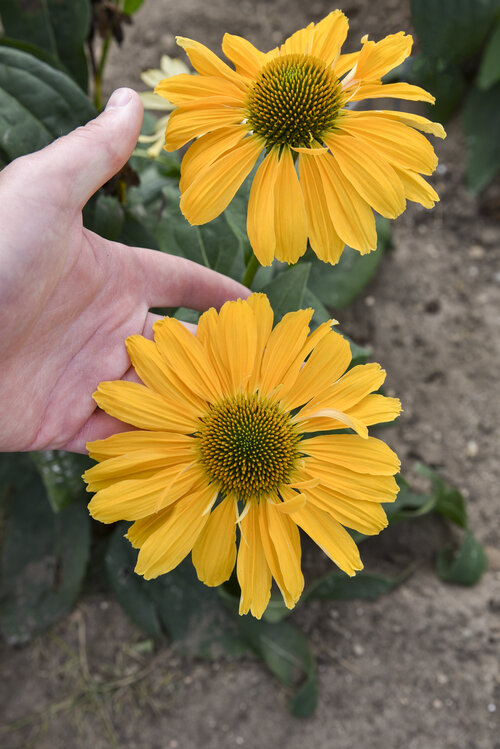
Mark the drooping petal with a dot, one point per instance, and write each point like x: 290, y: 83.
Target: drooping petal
x: 207, y: 149
x: 331, y: 537
x: 372, y: 176
x: 143, y: 408
x: 254, y: 575
x: 413, y: 120
x: 352, y: 216
x: 290, y: 219
x: 376, y: 409
x: 214, y: 552
x: 281, y: 542
x: 390, y: 91
x: 214, y: 188
x: 246, y: 58
x: 364, y: 517
x: 355, y: 485
x: 173, y: 540
x: 324, y: 240
x: 417, y: 189
x: 260, y: 216
x: 359, y: 455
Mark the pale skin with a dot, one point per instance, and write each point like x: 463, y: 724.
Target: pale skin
x: 68, y: 297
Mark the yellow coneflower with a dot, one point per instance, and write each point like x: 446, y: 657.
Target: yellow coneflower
x: 326, y: 165
x: 231, y: 435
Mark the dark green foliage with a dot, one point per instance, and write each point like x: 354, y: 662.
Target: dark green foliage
x: 57, y: 26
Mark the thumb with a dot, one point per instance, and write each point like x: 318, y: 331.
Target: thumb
x: 82, y: 161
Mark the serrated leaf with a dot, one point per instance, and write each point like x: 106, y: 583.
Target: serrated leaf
x: 288, y: 655
x: 61, y: 473
x: 44, y: 554
x: 464, y: 566
x: 37, y: 103
x: 336, y: 286
x: 481, y: 126
x: 452, y: 30
x: 286, y: 290
x: 57, y: 26
x: 489, y: 70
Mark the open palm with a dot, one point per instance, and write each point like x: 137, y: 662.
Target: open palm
x: 69, y: 298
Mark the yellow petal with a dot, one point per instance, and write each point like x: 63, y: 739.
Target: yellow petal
x: 399, y: 144
x: 285, y: 342
x: 214, y: 552
x: 376, y: 409
x: 372, y: 176
x: 391, y: 91
x: 330, y: 537
x: 142, y: 529
x: 186, y: 356
x: 281, y: 541
x: 264, y: 317
x: 329, y: 36
x: 378, y: 58
x: 290, y: 220
x: 413, y: 120
x: 137, y: 405
x: 345, y: 62
x: 328, y: 361
x: 185, y: 88
x: 254, y: 575
x: 291, y: 501
x: 260, y: 214
x: 237, y: 343
x: 151, y: 368
x: 299, y: 42
x: 207, y: 63
x: 417, y: 189
x: 214, y: 188
x: 349, y: 450
x: 324, y: 240
x: 168, y: 545
x: 131, y: 499
x: 351, y: 388
x: 324, y: 419
x: 130, y: 442
x: 185, y: 124
x: 207, y: 149
x: 246, y: 58
x: 136, y: 465
x: 365, y: 517
x: 355, y: 485
x: 351, y: 215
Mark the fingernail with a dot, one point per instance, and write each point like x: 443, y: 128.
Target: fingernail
x: 119, y: 98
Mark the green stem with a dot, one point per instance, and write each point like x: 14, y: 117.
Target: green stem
x: 98, y: 74
x: 250, y: 271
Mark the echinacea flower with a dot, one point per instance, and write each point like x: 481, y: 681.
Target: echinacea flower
x: 235, y: 432
x: 152, y: 77
x: 296, y: 104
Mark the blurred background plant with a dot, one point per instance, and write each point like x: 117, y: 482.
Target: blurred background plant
x: 50, y: 549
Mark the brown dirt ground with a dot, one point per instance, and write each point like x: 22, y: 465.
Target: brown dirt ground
x: 416, y: 669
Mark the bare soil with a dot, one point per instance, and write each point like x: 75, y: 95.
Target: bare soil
x: 417, y: 669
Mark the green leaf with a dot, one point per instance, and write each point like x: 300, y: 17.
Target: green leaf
x: 286, y: 290
x: 191, y: 614
x: 57, y: 26
x: 61, y: 473
x: 464, y: 566
x: 37, y: 103
x: 43, y: 556
x: 481, y: 126
x: 130, y: 6
x: 338, y: 586
x: 288, y: 656
x: 336, y: 286
x: 448, y: 501
x: 452, y: 30
x: 446, y: 82
x: 489, y: 70
x: 105, y: 216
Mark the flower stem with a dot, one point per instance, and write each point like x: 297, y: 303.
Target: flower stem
x: 98, y: 74
x: 250, y: 271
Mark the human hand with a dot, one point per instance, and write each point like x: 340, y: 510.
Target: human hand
x: 68, y: 297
